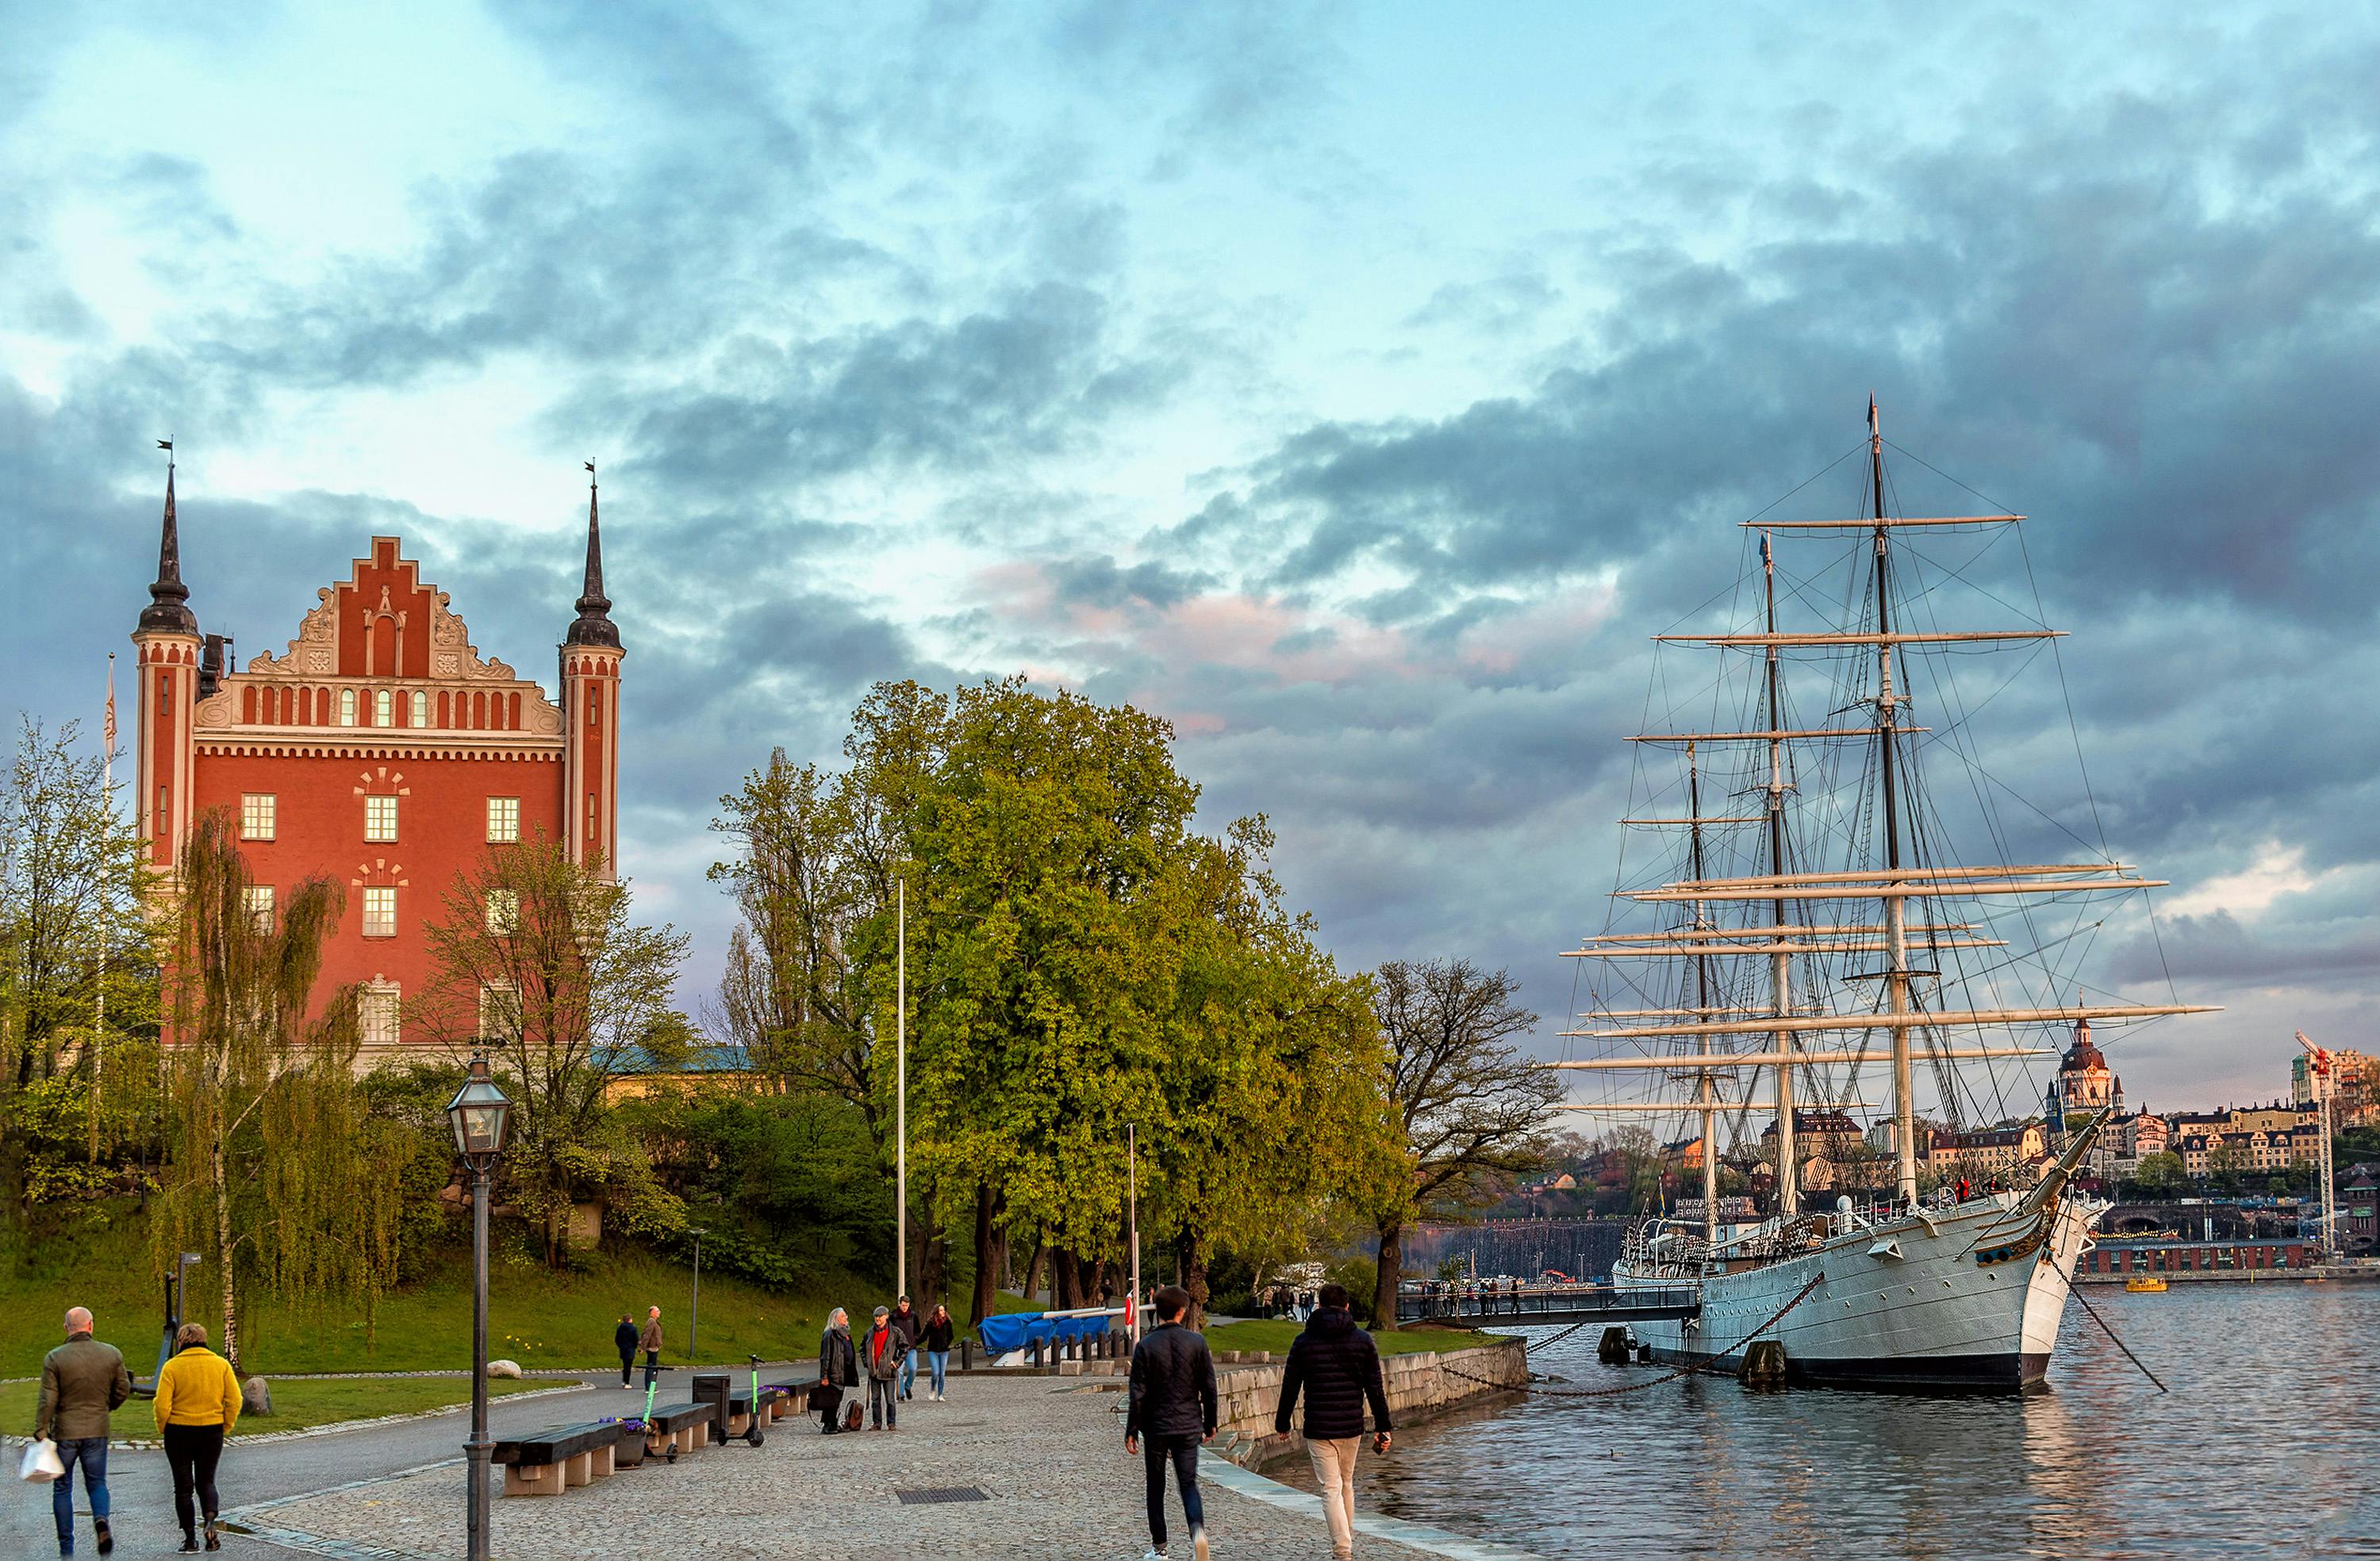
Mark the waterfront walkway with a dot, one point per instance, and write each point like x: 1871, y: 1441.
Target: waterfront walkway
x: 1047, y: 1453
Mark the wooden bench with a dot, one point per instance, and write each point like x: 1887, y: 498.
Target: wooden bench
x: 547, y: 1462
x: 672, y: 1429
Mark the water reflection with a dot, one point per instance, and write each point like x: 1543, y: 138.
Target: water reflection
x: 2263, y: 1444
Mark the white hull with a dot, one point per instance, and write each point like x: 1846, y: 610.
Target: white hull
x: 1936, y: 1303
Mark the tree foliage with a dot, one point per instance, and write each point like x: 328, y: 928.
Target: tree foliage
x: 536, y: 960
x: 1469, y: 1108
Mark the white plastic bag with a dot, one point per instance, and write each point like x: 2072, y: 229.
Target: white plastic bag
x: 40, y: 1463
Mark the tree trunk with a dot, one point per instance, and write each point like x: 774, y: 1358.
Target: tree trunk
x: 1384, y: 1294
x: 217, y: 1170
x: 1033, y: 1267
x: 1190, y: 1263
x: 934, y: 1253
x: 990, y: 1250
x: 1065, y: 1280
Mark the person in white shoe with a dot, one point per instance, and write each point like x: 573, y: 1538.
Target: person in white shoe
x: 1338, y: 1367
x: 936, y: 1342
x: 1172, y: 1407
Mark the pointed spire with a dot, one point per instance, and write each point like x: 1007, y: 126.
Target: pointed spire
x: 594, y: 625
x: 168, y: 598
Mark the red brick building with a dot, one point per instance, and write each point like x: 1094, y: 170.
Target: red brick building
x: 381, y: 749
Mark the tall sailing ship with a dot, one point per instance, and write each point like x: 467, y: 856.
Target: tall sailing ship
x: 1812, y: 933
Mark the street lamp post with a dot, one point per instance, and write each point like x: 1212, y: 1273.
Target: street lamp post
x: 1132, y: 1173
x: 694, y: 1312
x: 479, y: 1114
x: 900, y: 1087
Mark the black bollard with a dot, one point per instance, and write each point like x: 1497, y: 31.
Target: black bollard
x: 966, y: 1354
x: 1036, y: 1354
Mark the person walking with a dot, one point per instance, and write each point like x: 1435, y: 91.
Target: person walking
x: 1338, y: 1367
x: 82, y: 1382
x: 838, y: 1369
x: 624, y: 1339
x: 1171, y: 1411
x: 881, y: 1354
x: 197, y: 1404
x: 651, y: 1340
x: 904, y: 1318
x: 940, y: 1331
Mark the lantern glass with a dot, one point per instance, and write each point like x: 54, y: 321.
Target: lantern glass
x: 479, y: 1115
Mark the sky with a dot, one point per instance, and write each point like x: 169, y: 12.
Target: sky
x: 1358, y: 387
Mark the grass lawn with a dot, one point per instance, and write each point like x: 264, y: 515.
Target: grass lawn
x: 1278, y: 1335
x: 296, y: 1405
x: 540, y: 1319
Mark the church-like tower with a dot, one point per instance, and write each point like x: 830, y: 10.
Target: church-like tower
x: 166, y: 645
x: 590, y: 657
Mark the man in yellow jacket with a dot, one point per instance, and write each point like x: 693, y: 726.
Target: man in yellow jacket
x: 198, y: 1403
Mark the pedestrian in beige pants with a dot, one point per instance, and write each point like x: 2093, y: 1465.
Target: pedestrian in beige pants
x: 1336, y: 1366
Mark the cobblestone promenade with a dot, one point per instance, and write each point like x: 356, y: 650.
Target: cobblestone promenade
x: 1047, y: 1453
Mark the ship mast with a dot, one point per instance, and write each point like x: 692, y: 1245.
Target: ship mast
x: 1896, y: 907
x: 1780, y: 962
x: 1705, y: 1087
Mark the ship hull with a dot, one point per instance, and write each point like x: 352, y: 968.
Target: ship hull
x: 1969, y: 1299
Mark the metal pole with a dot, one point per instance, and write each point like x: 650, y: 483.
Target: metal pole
x: 476, y: 1448
x: 694, y: 1312
x: 1132, y: 1176
x: 900, y: 1087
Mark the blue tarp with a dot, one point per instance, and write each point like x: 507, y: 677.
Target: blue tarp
x: 1018, y: 1329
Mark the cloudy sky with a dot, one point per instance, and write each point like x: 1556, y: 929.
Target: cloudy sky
x: 1359, y: 387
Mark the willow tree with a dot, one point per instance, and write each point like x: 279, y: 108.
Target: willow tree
x: 273, y: 1165
x: 536, y: 960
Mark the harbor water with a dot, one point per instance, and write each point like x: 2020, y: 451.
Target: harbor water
x: 2264, y: 1445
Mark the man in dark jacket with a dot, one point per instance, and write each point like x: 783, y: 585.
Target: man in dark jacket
x: 1173, y: 1409
x: 906, y: 1318
x: 881, y: 1354
x: 1338, y: 1367
x: 82, y: 1380
x: 624, y: 1339
x: 838, y: 1369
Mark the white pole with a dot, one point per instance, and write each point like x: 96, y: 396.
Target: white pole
x: 1132, y: 1176
x: 901, y: 1090
x: 900, y: 1093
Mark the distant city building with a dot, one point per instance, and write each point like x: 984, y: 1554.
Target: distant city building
x: 1991, y: 1150
x: 2085, y: 1087
x: 2352, y: 1093
x: 380, y: 750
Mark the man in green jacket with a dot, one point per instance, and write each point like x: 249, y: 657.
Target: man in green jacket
x: 82, y: 1380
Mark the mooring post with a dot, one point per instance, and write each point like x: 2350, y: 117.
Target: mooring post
x: 1612, y: 1350
x: 1764, y: 1364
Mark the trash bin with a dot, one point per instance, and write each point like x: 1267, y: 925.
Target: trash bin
x: 714, y: 1388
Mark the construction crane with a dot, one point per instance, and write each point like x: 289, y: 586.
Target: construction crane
x: 2318, y: 1069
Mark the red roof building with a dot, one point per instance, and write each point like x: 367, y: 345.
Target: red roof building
x: 380, y: 749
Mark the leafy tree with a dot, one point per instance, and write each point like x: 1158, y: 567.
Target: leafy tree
x: 536, y: 960
x: 1470, y: 1108
x: 273, y: 1166
x: 78, y: 973
x: 2159, y: 1173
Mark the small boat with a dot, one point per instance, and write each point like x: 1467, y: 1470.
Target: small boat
x: 2146, y: 1283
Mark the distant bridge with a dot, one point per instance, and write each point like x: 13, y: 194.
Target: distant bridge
x: 1546, y: 1304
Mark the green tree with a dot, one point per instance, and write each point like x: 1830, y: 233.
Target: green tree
x: 79, y: 989
x: 536, y: 960
x: 2159, y: 1173
x: 272, y: 1166
x: 1470, y: 1110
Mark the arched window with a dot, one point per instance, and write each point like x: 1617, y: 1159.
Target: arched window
x: 420, y: 707
x: 384, y: 708
x: 346, y: 707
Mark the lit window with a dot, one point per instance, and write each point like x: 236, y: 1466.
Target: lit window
x: 256, y: 815
x: 346, y: 707
x: 500, y: 1011
x: 384, y: 708
x: 260, y: 905
x: 504, y: 818
x: 420, y: 709
x: 380, y: 818
x: 503, y: 912
x: 379, y: 913
x: 377, y: 1006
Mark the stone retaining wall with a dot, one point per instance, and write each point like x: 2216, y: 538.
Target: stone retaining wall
x: 1419, y: 1386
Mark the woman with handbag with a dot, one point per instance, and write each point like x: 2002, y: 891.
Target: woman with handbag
x: 838, y: 1369
x: 197, y: 1404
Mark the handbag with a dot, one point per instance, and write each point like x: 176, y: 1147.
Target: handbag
x: 821, y: 1394
x: 40, y: 1463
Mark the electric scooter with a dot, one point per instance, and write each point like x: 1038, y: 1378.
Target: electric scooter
x: 752, y: 1420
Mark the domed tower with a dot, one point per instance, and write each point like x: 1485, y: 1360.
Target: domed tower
x: 166, y: 651
x: 2085, y: 1084
x: 590, y: 705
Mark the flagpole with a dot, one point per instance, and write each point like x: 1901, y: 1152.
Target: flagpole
x: 99, y: 981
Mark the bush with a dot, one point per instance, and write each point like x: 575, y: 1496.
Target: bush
x: 1361, y: 1274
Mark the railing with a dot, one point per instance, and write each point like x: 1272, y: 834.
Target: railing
x: 1564, y: 1303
